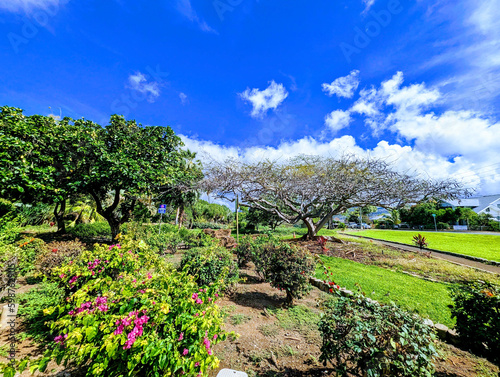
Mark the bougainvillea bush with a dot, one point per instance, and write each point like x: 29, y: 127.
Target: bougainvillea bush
x: 128, y: 313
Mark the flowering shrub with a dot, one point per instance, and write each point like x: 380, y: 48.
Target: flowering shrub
x: 129, y: 313
x: 362, y: 337
x: 212, y: 265
x: 477, y: 310
x: 286, y: 267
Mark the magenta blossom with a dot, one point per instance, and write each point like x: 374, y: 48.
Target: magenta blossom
x: 185, y: 352
x: 181, y: 336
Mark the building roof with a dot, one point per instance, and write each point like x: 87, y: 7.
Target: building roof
x: 479, y: 204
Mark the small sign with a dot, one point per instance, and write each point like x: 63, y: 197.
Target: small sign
x: 433, y: 215
x: 162, y: 209
x: 163, y: 206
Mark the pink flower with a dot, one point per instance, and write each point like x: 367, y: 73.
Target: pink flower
x: 185, y: 352
x: 142, y: 291
x: 199, y: 301
x: 133, y: 281
x: 73, y: 279
x: 154, y: 303
x: 149, y: 276
x: 216, y: 295
x: 101, y: 300
x: 194, y: 296
x: 62, y: 276
x: 196, y: 314
x: 60, y: 339
x: 215, y: 336
x: 197, y: 364
x: 71, y: 312
x: 210, y: 299
x: 181, y: 336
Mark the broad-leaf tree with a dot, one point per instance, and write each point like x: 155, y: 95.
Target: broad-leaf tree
x: 39, y: 158
x: 126, y: 161
x: 313, y: 188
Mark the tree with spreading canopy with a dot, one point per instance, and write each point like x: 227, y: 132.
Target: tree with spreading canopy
x: 312, y: 189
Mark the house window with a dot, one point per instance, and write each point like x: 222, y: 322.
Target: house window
x: 487, y: 210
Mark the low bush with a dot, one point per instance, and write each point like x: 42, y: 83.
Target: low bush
x: 362, y: 337
x: 56, y: 254
x: 207, y: 225
x: 91, y: 230
x: 32, y: 304
x: 286, y: 267
x: 23, y: 253
x: 35, y: 214
x: 213, y: 265
x: 121, y: 318
x: 248, y: 249
x: 444, y: 226
x: 6, y: 207
x: 477, y: 310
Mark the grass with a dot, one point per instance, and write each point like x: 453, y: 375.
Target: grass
x: 299, y: 318
x: 485, y: 246
x: 238, y: 319
x: 417, y: 263
x: 428, y: 299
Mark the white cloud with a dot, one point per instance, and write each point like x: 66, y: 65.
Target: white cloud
x: 368, y: 5
x: 139, y: 83
x: 343, y: 86
x: 28, y: 6
x: 263, y: 100
x: 184, y: 98
x: 337, y: 120
x: 186, y: 9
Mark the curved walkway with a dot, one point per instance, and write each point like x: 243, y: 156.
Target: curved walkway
x: 437, y: 254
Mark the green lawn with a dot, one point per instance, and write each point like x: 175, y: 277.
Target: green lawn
x: 477, y: 245
x: 426, y: 298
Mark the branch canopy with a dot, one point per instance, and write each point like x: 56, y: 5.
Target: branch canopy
x: 307, y: 187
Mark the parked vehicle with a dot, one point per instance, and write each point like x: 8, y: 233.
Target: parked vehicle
x: 365, y: 226
x: 352, y: 225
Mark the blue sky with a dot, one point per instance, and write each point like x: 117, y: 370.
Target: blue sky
x: 414, y: 82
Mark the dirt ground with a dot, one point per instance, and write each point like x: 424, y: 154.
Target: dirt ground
x: 269, y: 346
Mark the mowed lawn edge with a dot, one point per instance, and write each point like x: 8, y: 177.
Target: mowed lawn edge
x: 426, y: 298
x: 475, y: 245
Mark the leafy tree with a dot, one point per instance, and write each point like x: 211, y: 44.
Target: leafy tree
x: 258, y: 217
x: 311, y: 187
x: 39, y: 158
x: 393, y: 217
x: 128, y: 160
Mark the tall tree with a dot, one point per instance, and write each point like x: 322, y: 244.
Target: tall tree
x: 129, y: 160
x: 313, y: 187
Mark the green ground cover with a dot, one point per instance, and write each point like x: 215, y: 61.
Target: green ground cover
x: 476, y: 245
x: 428, y: 299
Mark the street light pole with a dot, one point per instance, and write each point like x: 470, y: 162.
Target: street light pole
x: 435, y: 225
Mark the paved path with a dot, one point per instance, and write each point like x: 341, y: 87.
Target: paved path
x: 450, y: 258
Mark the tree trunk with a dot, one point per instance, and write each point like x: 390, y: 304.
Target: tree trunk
x: 59, y: 210
x: 115, y: 227
x: 181, y: 214
x: 311, y: 229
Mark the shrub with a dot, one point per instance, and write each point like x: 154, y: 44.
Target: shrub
x: 207, y: 225
x: 420, y: 241
x: 91, y: 230
x: 6, y: 207
x: 286, y: 267
x: 35, y: 214
x: 32, y: 304
x: 341, y: 225
x: 441, y: 225
x: 476, y: 306
x: 363, y: 337
x: 121, y: 319
x: 24, y: 252
x: 249, y: 249
x: 213, y: 265
x: 57, y: 253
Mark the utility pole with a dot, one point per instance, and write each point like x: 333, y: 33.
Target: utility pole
x: 237, y: 226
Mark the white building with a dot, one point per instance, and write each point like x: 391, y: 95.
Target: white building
x: 484, y: 204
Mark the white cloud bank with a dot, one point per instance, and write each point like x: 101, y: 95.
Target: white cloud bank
x: 186, y: 9
x: 263, y: 100
x: 343, y: 86
x: 459, y: 144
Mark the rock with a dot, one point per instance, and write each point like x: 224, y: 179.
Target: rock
x: 442, y: 330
